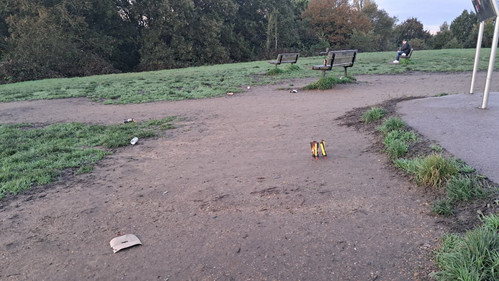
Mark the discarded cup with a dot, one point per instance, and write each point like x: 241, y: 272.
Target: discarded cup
x: 134, y: 140
x: 129, y: 120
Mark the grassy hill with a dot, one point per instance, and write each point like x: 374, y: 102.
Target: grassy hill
x: 210, y: 81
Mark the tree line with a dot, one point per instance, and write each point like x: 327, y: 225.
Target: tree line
x: 67, y: 38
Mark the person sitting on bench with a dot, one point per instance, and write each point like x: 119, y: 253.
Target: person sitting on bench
x: 405, y: 49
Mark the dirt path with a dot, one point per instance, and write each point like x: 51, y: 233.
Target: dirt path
x: 232, y: 194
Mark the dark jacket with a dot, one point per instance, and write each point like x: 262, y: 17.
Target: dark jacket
x: 406, y: 48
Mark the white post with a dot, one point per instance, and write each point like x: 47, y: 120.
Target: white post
x: 493, y: 51
x: 477, y: 56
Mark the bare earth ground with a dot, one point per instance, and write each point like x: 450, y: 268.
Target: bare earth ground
x: 231, y: 194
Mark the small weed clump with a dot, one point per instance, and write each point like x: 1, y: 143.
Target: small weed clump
x: 326, y: 83
x: 31, y: 156
x: 475, y: 256
x: 373, y: 114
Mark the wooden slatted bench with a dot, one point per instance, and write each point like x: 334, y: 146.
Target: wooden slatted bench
x: 345, y: 58
x: 285, y: 58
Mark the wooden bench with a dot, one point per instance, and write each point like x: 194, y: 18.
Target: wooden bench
x: 345, y: 58
x: 285, y: 58
x: 404, y: 56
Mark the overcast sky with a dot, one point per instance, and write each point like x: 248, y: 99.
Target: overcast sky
x: 431, y: 13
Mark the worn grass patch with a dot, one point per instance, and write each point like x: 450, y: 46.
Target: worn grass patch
x: 31, y: 155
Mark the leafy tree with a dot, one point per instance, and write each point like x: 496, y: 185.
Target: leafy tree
x: 411, y: 29
x: 334, y: 21
x: 382, y: 26
x: 442, y: 38
x: 364, y: 42
x: 61, y: 38
x: 462, y: 28
x: 361, y: 4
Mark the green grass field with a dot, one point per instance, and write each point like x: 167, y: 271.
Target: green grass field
x: 210, y: 81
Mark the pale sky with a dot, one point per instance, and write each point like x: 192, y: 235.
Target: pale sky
x: 431, y: 13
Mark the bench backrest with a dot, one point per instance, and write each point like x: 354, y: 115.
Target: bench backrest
x: 344, y: 58
x: 288, y: 57
x: 410, y: 53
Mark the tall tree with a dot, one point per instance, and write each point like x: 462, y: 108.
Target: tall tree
x: 335, y: 20
x: 361, y: 4
x: 382, y: 26
x: 410, y: 29
x: 61, y: 38
x: 462, y: 28
x: 443, y: 38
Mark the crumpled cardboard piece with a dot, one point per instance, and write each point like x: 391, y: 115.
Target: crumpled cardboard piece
x: 124, y: 241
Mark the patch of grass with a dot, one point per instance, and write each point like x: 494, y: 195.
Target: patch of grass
x: 31, y: 156
x: 373, y: 114
x: 465, y: 168
x: 396, y: 148
x: 328, y: 82
x: 491, y: 221
x: 443, y: 207
x: 433, y: 170
x: 436, y: 148
x: 405, y: 136
x: 293, y: 67
x: 463, y: 188
x: 275, y: 71
x: 406, y: 62
x: 397, y: 142
x: 441, y: 95
x: 475, y: 256
x: 391, y: 124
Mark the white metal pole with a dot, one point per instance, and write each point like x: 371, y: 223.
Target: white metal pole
x: 477, y: 56
x: 493, y: 51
